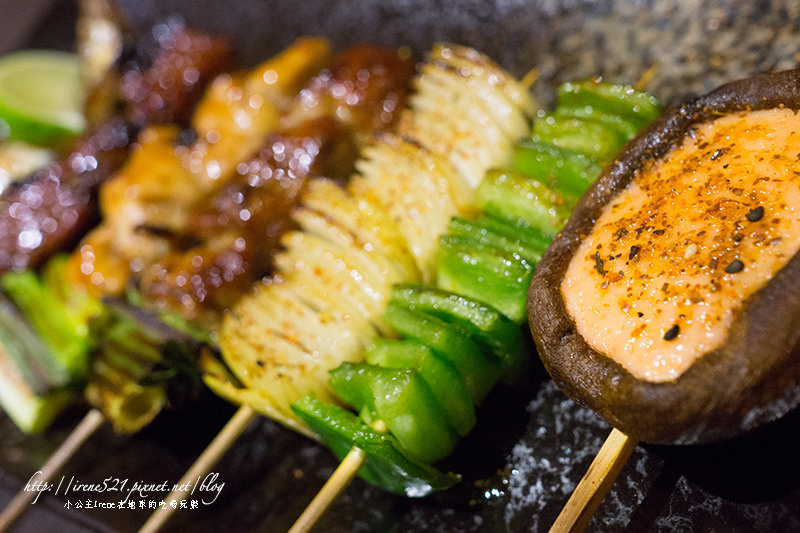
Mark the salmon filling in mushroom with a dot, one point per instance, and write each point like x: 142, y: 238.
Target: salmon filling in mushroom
x: 673, y: 257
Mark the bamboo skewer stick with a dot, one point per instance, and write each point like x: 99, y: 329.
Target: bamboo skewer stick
x: 338, y: 481
x: 574, y: 517
x: 594, y: 485
x: 348, y: 469
x: 202, y: 465
x: 87, y: 426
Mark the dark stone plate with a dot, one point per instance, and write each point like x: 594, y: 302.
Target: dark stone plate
x: 532, y: 444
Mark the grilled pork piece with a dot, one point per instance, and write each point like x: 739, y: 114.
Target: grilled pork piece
x: 50, y: 210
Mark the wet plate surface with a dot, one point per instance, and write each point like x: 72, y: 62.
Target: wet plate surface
x: 532, y: 445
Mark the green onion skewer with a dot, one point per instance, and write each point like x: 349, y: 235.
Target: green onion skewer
x: 136, y: 369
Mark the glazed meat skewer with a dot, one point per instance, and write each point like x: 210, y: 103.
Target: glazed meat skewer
x: 50, y: 210
x: 66, y: 191
x: 314, y: 144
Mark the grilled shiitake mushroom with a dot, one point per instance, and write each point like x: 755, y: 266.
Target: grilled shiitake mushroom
x: 675, y: 265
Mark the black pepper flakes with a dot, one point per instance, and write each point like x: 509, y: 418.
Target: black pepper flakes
x: 672, y: 333
x: 755, y: 214
x: 734, y: 266
x: 634, y: 252
x: 719, y: 153
x: 598, y: 264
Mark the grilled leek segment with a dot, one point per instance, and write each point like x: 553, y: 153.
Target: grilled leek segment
x: 333, y: 279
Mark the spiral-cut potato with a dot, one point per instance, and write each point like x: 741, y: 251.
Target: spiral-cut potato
x: 334, y: 277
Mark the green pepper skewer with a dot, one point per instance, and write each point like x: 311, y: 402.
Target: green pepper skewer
x: 507, y: 224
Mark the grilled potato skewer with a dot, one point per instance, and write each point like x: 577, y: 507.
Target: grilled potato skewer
x: 333, y: 280
x: 327, y: 299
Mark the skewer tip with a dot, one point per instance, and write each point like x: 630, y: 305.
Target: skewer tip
x: 595, y: 484
x: 341, y: 477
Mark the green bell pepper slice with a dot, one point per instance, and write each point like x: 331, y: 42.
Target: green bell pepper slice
x: 520, y: 238
x: 399, y: 398
x: 384, y: 466
x: 569, y: 172
x: 595, y: 97
x: 593, y: 138
x: 517, y: 196
x: 478, y: 370
x: 500, y: 335
x: 486, y: 273
x: 443, y: 380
